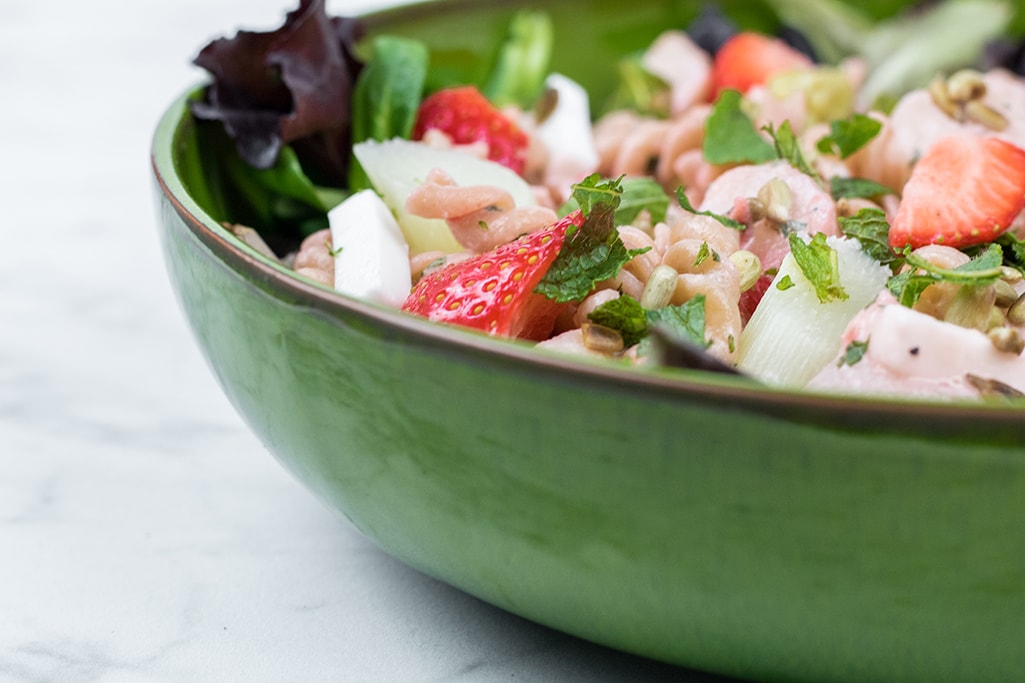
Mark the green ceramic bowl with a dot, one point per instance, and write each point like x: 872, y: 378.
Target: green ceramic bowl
x: 682, y: 516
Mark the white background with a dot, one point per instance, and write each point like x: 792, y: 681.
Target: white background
x: 145, y: 534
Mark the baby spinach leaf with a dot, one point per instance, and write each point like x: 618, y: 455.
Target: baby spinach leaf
x: 280, y: 201
x: 519, y: 73
x: 387, y: 95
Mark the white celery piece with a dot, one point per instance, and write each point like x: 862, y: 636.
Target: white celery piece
x: 907, y: 51
x: 371, y: 254
x: 396, y: 167
x: 566, y: 132
x: 792, y: 335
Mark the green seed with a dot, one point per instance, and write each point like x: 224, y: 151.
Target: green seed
x: 966, y: 85
x: 601, y: 339
x: 749, y: 267
x: 1006, y: 294
x: 1007, y: 340
x: 1016, y: 313
x: 660, y: 287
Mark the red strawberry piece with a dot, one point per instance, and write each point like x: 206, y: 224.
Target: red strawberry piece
x: 965, y: 190
x: 494, y: 292
x: 750, y: 298
x: 466, y: 116
x: 749, y: 59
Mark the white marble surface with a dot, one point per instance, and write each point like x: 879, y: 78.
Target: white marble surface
x: 145, y: 534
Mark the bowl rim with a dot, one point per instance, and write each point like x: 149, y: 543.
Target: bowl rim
x: 902, y: 414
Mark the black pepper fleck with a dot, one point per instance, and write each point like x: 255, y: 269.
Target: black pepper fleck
x: 914, y: 351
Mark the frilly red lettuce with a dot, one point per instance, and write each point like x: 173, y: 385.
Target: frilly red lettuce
x: 291, y: 86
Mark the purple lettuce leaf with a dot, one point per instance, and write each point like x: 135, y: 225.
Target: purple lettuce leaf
x: 290, y: 86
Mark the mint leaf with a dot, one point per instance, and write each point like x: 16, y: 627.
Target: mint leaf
x: 788, y: 148
x: 724, y: 220
x: 637, y: 194
x: 980, y: 271
x: 640, y: 194
x: 847, y: 136
x: 594, y: 252
x: 856, y: 188
x: 1013, y: 248
x: 730, y: 136
x: 625, y: 315
x: 595, y: 191
x: 706, y: 252
x: 785, y: 283
x: 820, y: 264
x: 853, y: 354
x: 686, y: 321
x: 872, y: 230
x: 983, y: 269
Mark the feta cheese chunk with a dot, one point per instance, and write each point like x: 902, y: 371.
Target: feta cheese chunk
x: 371, y: 254
x: 566, y: 133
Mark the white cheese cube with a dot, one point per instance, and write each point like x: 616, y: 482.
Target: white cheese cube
x: 371, y: 254
x: 566, y: 132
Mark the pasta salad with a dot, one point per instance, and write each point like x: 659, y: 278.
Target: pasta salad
x: 851, y: 222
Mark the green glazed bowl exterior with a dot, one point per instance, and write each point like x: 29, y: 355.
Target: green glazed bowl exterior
x: 681, y: 516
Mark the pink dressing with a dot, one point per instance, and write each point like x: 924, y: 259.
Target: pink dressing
x: 913, y: 354
x: 812, y: 207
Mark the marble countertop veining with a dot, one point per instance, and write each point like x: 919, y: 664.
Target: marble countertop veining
x: 145, y: 534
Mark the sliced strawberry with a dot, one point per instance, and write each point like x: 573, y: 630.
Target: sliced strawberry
x: 494, y: 292
x: 466, y: 116
x: 749, y: 59
x: 965, y: 190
